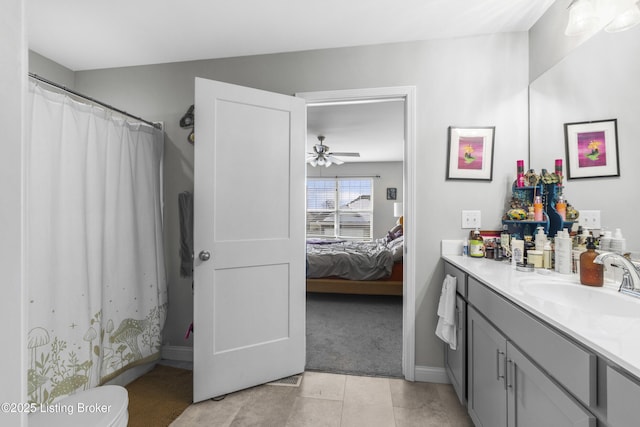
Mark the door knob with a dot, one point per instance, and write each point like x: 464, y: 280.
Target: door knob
x: 204, y: 255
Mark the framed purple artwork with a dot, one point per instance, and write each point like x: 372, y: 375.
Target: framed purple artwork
x: 470, y: 154
x: 592, y: 149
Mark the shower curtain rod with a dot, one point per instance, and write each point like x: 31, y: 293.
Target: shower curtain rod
x: 88, y: 98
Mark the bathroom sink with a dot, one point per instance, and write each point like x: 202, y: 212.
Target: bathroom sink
x: 563, y: 293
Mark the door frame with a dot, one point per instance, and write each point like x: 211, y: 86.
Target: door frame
x: 408, y: 93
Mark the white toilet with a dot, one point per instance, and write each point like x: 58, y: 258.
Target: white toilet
x: 105, y: 406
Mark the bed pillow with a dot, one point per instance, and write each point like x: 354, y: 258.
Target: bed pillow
x: 394, y: 233
x: 397, y: 248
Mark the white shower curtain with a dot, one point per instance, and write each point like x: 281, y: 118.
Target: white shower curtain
x: 95, y: 258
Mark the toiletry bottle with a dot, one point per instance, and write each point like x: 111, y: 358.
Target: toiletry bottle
x: 520, y: 176
x: 561, y: 207
x: 537, y: 208
x: 517, y: 252
x: 528, y: 246
x: 618, y: 243
x: 591, y: 274
x: 465, y: 247
x: 605, y: 241
x: 558, y: 170
x: 499, y: 254
x: 563, y: 252
x: 541, y: 239
x: 476, y: 244
x: 546, y: 255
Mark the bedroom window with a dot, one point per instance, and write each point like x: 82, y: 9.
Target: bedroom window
x: 340, y: 208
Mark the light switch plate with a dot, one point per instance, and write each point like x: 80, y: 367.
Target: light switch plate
x: 471, y: 219
x: 589, y: 219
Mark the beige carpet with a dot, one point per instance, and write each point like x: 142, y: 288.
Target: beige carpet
x: 160, y: 396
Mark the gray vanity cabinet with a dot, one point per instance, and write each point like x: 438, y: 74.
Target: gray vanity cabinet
x: 487, y: 390
x: 455, y: 361
x: 506, y: 389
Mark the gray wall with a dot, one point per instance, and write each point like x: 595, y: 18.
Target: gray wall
x: 53, y: 71
x: 13, y: 306
x: 390, y: 176
x: 464, y: 82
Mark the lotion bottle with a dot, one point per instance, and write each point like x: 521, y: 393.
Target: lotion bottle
x: 541, y: 239
x: 563, y: 252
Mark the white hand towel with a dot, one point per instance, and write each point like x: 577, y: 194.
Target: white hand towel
x: 446, y: 328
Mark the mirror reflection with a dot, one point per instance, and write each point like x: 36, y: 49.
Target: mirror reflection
x: 597, y: 81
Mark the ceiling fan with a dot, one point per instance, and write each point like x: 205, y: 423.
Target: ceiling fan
x: 323, y: 157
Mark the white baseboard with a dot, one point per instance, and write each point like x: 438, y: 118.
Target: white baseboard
x: 176, y: 352
x: 429, y: 374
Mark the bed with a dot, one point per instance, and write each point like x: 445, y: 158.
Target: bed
x: 356, y: 267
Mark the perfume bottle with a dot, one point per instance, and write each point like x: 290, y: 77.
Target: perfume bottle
x: 520, y: 176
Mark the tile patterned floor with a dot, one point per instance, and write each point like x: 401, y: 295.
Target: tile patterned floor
x: 333, y: 400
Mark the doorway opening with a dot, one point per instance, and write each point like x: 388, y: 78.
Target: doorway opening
x: 366, y: 117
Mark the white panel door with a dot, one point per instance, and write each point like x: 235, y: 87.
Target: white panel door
x: 249, y: 296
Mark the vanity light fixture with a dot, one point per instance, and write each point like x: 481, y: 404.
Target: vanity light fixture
x: 589, y: 16
x: 627, y: 19
x: 582, y: 18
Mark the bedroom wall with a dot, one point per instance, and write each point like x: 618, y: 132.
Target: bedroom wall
x: 464, y: 82
x: 390, y: 176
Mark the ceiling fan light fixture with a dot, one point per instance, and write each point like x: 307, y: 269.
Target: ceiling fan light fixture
x: 323, y: 157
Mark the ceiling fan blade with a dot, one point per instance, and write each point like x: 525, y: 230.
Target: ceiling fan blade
x: 345, y: 154
x: 334, y: 160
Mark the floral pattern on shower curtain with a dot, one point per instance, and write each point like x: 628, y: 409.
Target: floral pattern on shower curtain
x: 95, y: 258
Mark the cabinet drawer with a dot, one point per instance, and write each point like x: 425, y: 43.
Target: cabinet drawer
x: 461, y: 276
x: 570, y: 364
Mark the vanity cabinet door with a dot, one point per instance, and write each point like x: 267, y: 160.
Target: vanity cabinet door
x: 455, y: 361
x: 534, y: 400
x: 623, y: 395
x: 487, y: 395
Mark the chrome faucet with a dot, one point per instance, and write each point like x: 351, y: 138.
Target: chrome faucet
x: 631, y: 274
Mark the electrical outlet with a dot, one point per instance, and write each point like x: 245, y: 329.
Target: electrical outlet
x: 589, y: 219
x: 471, y: 219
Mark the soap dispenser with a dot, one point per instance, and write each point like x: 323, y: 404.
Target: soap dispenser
x: 591, y: 274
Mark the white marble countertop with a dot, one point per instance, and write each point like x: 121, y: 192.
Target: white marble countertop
x: 602, y: 319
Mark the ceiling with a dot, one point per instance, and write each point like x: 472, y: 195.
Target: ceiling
x: 373, y: 129
x: 85, y: 35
